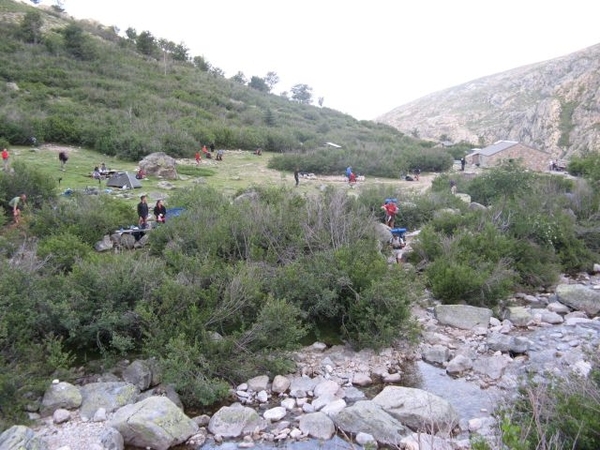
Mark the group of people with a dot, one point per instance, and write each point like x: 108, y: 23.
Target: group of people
x: 208, y: 154
x: 100, y: 173
x: 143, y: 210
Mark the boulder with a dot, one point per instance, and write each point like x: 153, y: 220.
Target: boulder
x: 234, y: 421
x: 579, y: 297
x: 474, y: 206
x: 280, y: 384
x: 105, y: 244
x: 258, y: 383
x: 559, y: 308
x: 305, y: 384
x: 61, y: 416
x: 110, y: 396
x: 326, y: 387
x: 275, y: 414
x: 464, y: 317
x: 423, y: 441
x: 60, y: 395
x: 160, y: 164
x: 492, y: 367
x: 165, y: 390
x: 518, y: 315
x: 504, y: 343
x: 111, y: 439
x: 20, y: 437
x: 317, y: 425
x: 155, y: 422
x: 142, y: 373
x: 551, y: 317
x: 334, y: 407
x: 436, y: 354
x: 368, y: 417
x: 458, y: 365
x: 418, y: 409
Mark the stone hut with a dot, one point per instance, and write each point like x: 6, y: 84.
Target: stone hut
x: 509, y: 151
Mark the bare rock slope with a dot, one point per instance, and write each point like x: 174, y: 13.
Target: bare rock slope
x: 552, y: 105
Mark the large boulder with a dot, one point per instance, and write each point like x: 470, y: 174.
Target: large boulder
x: 142, y: 373
x: 20, y: 437
x: 368, y: 417
x: 160, y: 164
x: 155, y: 422
x: 235, y: 420
x: 60, y: 396
x: 465, y: 317
x: 317, y: 425
x: 579, y: 297
x: 110, y: 396
x: 418, y: 409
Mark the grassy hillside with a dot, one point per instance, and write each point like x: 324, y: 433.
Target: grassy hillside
x: 78, y: 83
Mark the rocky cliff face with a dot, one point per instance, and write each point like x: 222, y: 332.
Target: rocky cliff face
x: 552, y: 105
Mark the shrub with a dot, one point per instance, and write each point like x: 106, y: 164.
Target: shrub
x: 39, y: 188
x: 88, y: 217
x: 186, y: 368
x: 380, y: 313
x: 560, y: 413
x: 63, y: 250
x: 507, y: 182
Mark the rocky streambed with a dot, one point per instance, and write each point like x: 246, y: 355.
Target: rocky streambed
x: 437, y: 394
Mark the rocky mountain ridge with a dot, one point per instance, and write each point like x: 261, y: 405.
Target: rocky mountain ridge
x: 552, y: 106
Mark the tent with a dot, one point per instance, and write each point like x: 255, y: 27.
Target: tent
x: 124, y: 180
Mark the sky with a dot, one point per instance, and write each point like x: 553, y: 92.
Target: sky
x: 363, y: 58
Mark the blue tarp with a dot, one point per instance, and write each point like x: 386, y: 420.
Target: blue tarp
x: 174, y: 212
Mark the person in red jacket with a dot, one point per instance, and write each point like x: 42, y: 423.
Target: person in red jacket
x: 391, y: 209
x: 5, y: 159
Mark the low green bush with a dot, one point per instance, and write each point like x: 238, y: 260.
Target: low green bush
x: 560, y: 413
x: 62, y: 251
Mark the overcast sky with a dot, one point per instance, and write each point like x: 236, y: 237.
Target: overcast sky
x: 364, y: 58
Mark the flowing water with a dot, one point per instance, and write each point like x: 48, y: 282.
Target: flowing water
x: 467, y: 398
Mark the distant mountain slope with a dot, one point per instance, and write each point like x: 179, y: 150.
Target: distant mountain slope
x: 552, y: 105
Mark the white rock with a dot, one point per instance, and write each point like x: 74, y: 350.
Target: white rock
x: 61, y: 416
x: 288, y: 403
x: 365, y: 438
x: 275, y: 414
x: 582, y: 368
x: 100, y: 415
x: 308, y: 408
x: 494, y: 322
x: 262, y: 396
x: 296, y: 433
x: 392, y: 378
x: 362, y: 379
